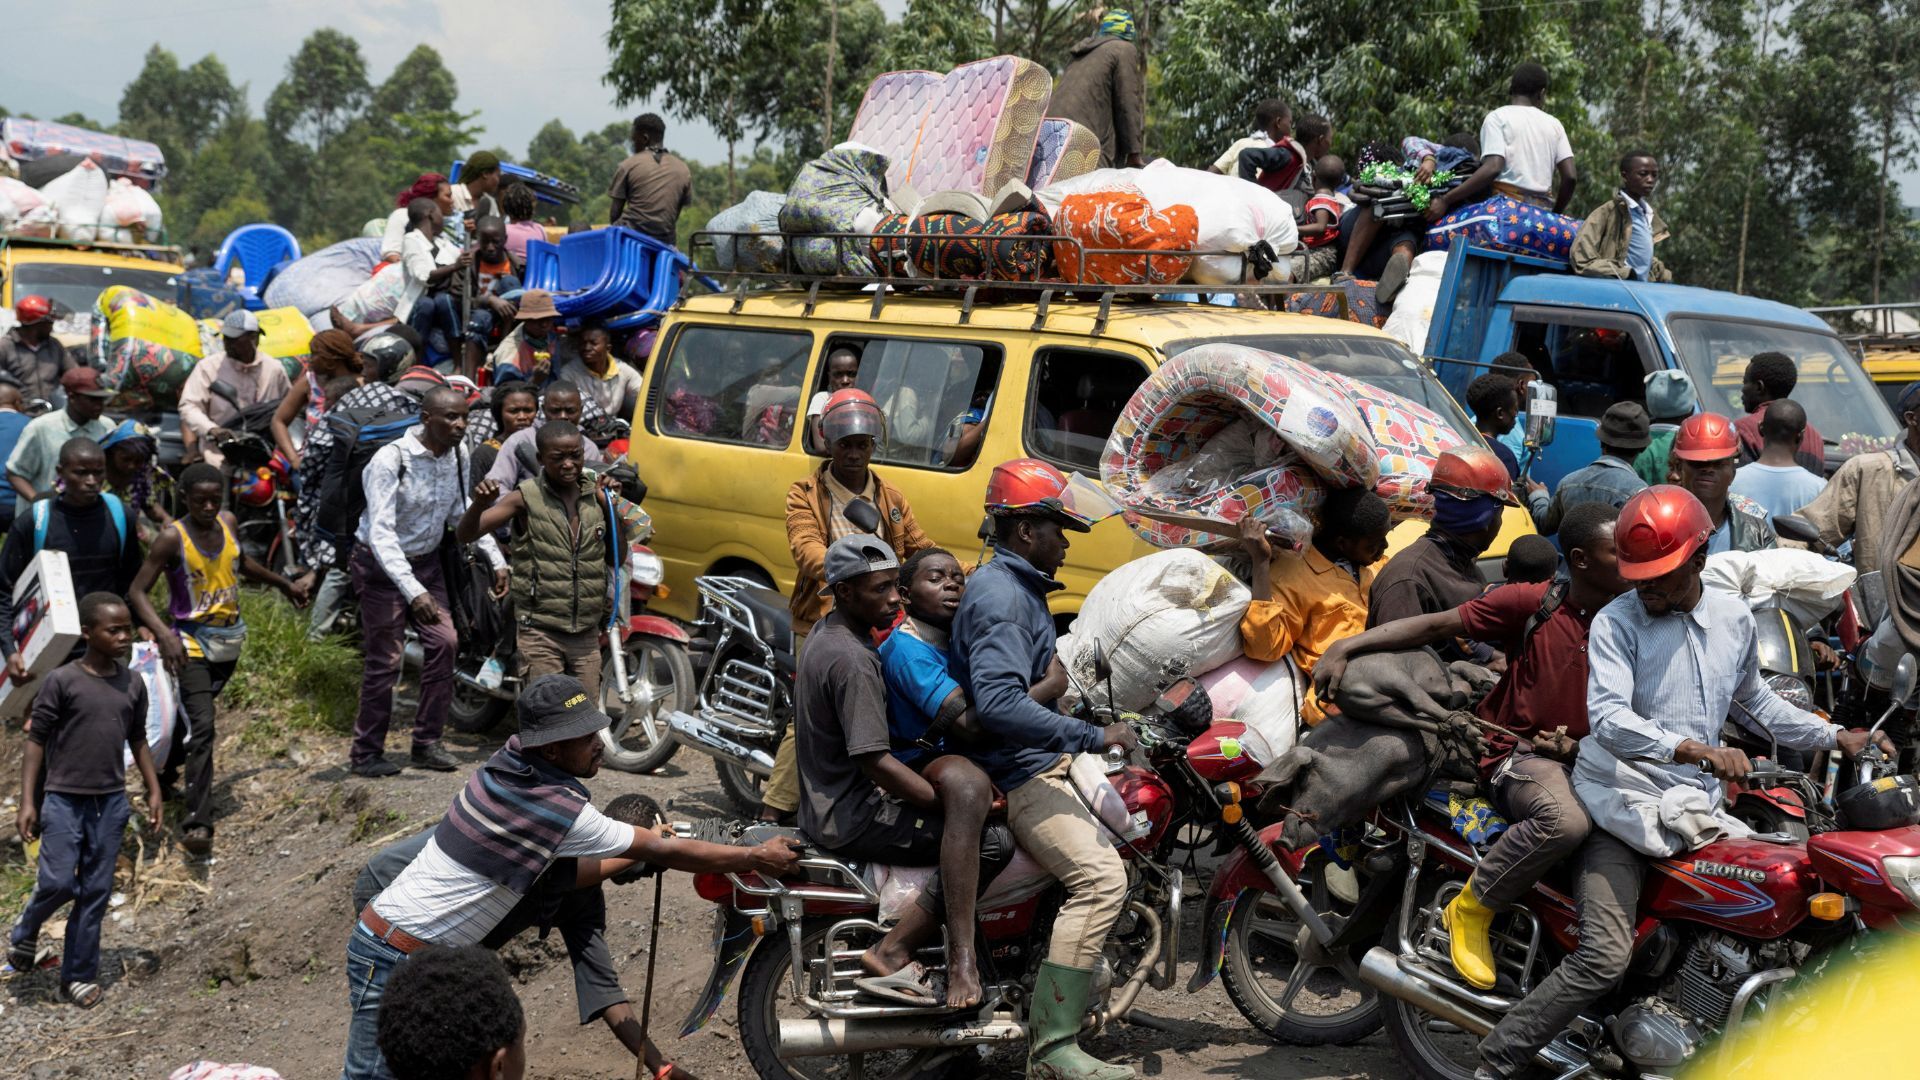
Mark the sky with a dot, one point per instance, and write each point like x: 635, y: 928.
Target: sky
x: 520, y: 63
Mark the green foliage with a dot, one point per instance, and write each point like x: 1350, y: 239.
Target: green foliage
x: 287, y: 681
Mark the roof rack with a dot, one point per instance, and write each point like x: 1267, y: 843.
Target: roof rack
x: 148, y: 250
x: 1041, y: 291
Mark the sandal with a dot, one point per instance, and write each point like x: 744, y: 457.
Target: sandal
x: 84, y: 994
x: 911, y: 985
x: 23, y: 956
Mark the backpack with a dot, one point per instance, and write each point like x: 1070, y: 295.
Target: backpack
x: 358, y: 434
x: 1550, y: 602
x: 43, y: 513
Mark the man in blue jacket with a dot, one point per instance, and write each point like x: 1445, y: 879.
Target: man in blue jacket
x: 1003, y: 643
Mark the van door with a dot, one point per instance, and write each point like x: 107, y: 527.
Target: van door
x: 1593, y: 359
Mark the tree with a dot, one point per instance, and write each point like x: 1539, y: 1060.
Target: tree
x: 325, y: 90
x: 177, y: 108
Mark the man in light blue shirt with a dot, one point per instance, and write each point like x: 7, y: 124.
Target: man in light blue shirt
x: 1665, y: 664
x: 1776, y: 480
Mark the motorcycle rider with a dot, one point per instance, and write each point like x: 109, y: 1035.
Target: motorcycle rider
x: 1440, y: 571
x: 1706, y: 451
x: 1666, y: 662
x: 852, y: 424
x: 862, y: 802
x: 1542, y: 695
x: 1002, y: 643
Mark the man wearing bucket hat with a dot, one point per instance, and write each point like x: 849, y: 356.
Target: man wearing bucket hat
x: 464, y: 882
x: 1623, y: 432
x: 1440, y: 571
x: 1666, y: 661
x: 851, y: 425
x: 248, y: 376
x: 1002, y: 644
x: 30, y: 355
x: 530, y: 350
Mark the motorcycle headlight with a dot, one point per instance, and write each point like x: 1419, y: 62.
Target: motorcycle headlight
x: 646, y: 567
x: 1792, y: 691
x: 1903, y: 873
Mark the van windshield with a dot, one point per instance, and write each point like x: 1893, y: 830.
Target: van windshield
x: 1381, y: 363
x: 1837, y: 395
x: 76, y: 285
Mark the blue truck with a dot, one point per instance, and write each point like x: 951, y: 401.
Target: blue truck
x: 1596, y: 339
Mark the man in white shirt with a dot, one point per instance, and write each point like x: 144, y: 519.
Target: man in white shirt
x: 1522, y: 150
x: 416, y: 489
x: 247, y: 371
x: 1272, y: 122
x: 521, y: 811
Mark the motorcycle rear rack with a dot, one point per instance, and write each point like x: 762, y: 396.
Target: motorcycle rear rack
x: 837, y: 994
x: 1515, y: 949
x: 777, y: 891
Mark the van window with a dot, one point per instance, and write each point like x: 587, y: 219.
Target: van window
x: 1590, y: 366
x: 1077, y: 397
x: 936, y: 396
x: 735, y: 386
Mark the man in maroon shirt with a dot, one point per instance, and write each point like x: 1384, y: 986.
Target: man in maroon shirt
x: 1542, y: 697
x: 1771, y: 376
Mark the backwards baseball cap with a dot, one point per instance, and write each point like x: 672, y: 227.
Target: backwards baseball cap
x: 554, y: 708
x: 84, y: 381
x: 239, y: 322
x: 851, y: 556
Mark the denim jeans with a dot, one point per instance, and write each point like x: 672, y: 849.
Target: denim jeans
x: 331, y: 598
x: 79, y: 842
x: 369, y: 962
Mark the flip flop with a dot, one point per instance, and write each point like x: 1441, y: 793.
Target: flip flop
x: 84, y: 994
x: 911, y: 985
x: 23, y: 956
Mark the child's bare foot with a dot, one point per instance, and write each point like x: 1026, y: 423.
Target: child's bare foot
x: 885, y: 957
x: 963, y: 980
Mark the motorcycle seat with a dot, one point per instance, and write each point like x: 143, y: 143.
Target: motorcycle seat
x: 771, y: 619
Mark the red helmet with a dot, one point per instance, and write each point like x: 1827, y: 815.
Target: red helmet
x: 1468, y: 472
x: 32, y: 309
x: 851, y: 412
x: 1031, y: 486
x: 253, y: 488
x: 1659, y: 529
x: 1706, y: 437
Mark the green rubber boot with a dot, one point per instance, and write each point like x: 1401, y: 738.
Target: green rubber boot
x: 1053, y: 1028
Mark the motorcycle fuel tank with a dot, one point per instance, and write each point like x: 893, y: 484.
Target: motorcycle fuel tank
x: 1748, y: 887
x: 1145, y: 793
x: 1220, y: 753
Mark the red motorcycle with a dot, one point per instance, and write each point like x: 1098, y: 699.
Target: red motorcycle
x: 648, y: 675
x: 799, y: 940
x: 1722, y: 933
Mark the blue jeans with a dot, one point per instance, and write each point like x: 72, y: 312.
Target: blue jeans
x: 79, y: 841
x: 369, y: 962
x: 436, y: 320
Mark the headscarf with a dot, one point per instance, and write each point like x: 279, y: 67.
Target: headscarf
x: 426, y: 187
x: 135, y: 435
x: 1118, y: 22
x: 337, y: 348
x: 1460, y: 516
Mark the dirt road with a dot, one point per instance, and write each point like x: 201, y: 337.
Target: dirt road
x: 242, y: 961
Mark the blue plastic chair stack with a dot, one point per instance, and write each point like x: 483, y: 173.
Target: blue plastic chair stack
x: 614, y: 273
x: 262, y: 249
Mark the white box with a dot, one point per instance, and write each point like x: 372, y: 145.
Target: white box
x: 46, y: 626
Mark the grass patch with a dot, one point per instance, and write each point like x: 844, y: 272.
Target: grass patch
x: 286, y: 681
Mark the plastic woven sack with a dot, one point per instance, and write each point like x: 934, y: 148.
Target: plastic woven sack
x: 78, y: 197
x: 129, y: 214
x: 1169, y: 613
x: 1507, y: 224
x: 843, y: 190
x: 287, y: 336
x: 759, y: 212
x: 1232, y: 215
x: 1123, y: 218
x: 143, y: 344
x: 318, y: 281
x: 27, y: 205
x: 1407, y: 439
x: 1223, y: 431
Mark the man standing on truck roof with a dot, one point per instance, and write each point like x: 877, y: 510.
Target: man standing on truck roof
x: 651, y: 187
x: 852, y: 425
x: 30, y: 355
x: 1771, y: 376
x: 1102, y: 90
x: 1618, y: 237
x: 1522, y: 150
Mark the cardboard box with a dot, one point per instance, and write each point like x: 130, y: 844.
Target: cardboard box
x: 46, y: 626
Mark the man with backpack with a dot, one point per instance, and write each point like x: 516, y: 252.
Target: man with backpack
x: 568, y: 530
x: 415, y: 489
x: 84, y: 521
x: 1543, y: 630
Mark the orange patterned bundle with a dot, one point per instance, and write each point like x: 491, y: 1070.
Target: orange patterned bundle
x: 1124, y: 219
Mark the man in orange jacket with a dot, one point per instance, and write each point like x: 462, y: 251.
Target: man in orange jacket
x: 851, y: 426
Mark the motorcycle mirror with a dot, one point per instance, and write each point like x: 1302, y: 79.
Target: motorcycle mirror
x: 1543, y: 405
x: 1101, y: 668
x: 1800, y: 530
x: 864, y: 515
x: 1905, y: 675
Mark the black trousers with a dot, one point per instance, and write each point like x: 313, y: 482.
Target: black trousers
x: 200, y: 684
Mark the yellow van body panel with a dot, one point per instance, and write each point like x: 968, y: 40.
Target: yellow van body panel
x: 720, y: 506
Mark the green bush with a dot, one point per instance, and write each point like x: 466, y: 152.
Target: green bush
x: 290, y: 683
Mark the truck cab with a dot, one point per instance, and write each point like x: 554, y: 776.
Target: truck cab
x: 1596, y: 339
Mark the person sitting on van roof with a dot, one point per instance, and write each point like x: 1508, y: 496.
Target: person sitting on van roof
x: 816, y: 517
x: 1771, y: 376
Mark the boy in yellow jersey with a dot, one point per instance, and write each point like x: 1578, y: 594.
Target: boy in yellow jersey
x: 204, y: 563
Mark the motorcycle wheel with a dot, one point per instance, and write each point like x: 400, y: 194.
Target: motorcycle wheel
x: 474, y: 711
x: 1292, y: 1000
x: 662, y: 679
x: 766, y: 996
x: 1428, y: 1047
x: 743, y: 788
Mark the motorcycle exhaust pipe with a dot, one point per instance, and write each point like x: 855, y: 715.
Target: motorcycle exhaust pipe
x: 696, y: 734
x: 1380, y: 969
x: 814, y: 1037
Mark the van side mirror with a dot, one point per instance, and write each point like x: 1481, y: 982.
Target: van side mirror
x: 1543, y: 405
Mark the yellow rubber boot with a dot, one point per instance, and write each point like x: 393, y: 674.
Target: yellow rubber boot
x: 1467, y: 922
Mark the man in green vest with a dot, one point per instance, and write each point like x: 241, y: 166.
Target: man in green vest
x: 560, y: 551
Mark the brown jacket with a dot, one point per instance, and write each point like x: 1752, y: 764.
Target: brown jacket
x: 807, y: 533
x: 1600, y: 247
x: 1102, y: 89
